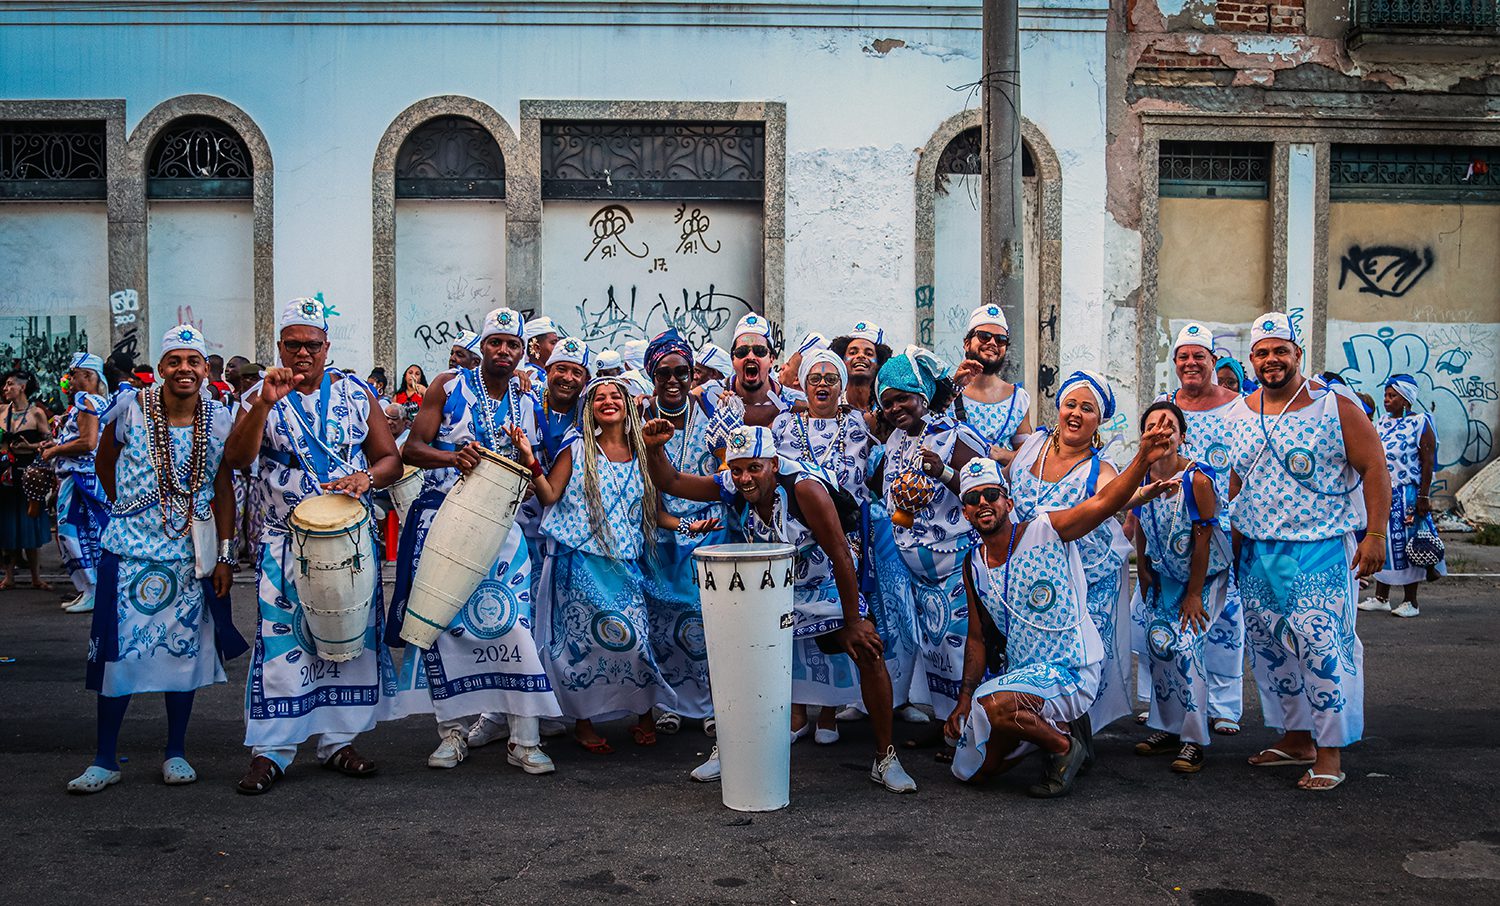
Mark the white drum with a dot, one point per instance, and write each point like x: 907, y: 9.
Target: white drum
x: 465, y: 538
x: 335, y: 572
x: 746, y: 590
x: 405, y: 491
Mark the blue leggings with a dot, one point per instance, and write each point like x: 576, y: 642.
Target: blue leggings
x: 112, y: 716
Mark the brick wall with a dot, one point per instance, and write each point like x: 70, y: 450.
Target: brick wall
x: 1285, y: 17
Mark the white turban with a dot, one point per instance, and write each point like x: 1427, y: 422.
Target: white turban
x: 820, y: 357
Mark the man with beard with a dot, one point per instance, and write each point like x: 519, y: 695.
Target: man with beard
x: 316, y: 430
x: 997, y: 410
x: 464, y: 352
x: 863, y: 350
x: 456, y: 678
x: 752, y: 397
x: 1299, y: 456
x: 771, y: 499
x: 1207, y: 408
x: 1029, y: 623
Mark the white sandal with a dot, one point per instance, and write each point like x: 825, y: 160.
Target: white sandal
x: 93, y: 780
x: 177, y: 771
x: 1336, y: 778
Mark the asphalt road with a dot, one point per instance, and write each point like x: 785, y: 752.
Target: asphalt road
x: 1415, y: 823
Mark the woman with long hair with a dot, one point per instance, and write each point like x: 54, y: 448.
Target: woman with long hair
x: 25, y: 427
x: 592, y: 628
x: 413, y: 386
x: 82, y: 511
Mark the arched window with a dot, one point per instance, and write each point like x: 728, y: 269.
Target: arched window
x: 964, y: 156
x: 199, y: 157
x: 450, y: 157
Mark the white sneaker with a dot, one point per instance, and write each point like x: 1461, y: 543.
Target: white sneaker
x: 72, y: 601
x: 453, y: 749
x: 486, y: 731
x: 912, y: 714
x: 84, y: 606
x: 887, y: 772
x: 1374, y: 603
x: 708, y: 771
x: 826, y: 737
x: 96, y: 779
x: 553, y: 727
x: 1406, y: 609
x: 530, y: 759
x: 850, y: 713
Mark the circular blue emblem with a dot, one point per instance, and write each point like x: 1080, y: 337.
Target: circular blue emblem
x: 1182, y: 542
x: 304, y: 635
x: 491, y: 611
x: 932, y: 613
x: 1299, y: 462
x: 688, y: 634
x: 1218, y: 456
x: 154, y: 588
x: 1161, y: 638
x: 613, y: 631
x: 185, y: 335
x: 1268, y: 325
x: 1043, y: 596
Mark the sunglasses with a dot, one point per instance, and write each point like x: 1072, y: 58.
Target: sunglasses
x: 309, y: 347
x: 984, y: 336
x: 823, y: 379
x: 990, y: 495
x: 680, y: 373
x: 759, y: 352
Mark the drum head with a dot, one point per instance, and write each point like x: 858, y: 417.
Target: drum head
x: 744, y: 552
x: 407, y: 474
x: 328, y: 513
x: 497, y: 459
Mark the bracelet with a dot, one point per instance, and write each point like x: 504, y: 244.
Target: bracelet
x: 226, y: 551
x: 683, y: 530
x: 536, y: 468
x: 370, y: 475
x: 947, y: 475
x: 227, y: 561
x: 1380, y: 535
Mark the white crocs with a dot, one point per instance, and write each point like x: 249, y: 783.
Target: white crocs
x: 887, y: 772
x: 93, y: 780
x: 912, y: 714
x: 177, y: 771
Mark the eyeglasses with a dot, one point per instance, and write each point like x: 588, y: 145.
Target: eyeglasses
x: 984, y: 336
x: 759, y: 352
x: 680, y: 373
x: 824, y: 379
x: 990, y: 495
x: 310, y: 347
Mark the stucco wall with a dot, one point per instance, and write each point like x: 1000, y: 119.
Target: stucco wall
x: 199, y: 272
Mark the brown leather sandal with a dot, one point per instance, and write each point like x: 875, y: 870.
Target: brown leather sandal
x: 350, y: 763
x: 262, y: 775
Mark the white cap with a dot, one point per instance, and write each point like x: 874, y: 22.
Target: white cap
x: 503, y: 322
x: 184, y: 336
x: 540, y: 327
x: 305, y: 311
x: 1273, y: 325
x: 988, y: 314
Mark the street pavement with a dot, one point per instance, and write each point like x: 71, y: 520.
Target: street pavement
x: 1415, y: 823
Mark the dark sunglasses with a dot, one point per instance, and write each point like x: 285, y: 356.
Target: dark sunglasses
x: 990, y: 495
x: 309, y: 347
x: 680, y: 373
x: 984, y: 336
x: 759, y: 352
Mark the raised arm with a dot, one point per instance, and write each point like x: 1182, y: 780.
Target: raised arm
x: 418, y: 450
x: 1077, y: 521
x: 664, y: 475
x: 244, y: 440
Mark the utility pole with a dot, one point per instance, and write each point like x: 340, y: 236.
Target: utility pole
x: 1000, y: 239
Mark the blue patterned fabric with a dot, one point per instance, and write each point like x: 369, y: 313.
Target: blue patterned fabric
x: 1402, y: 438
x: 620, y: 490
x: 996, y: 423
x: 675, y: 614
x: 306, y: 434
x: 82, y: 515
x: 93, y: 404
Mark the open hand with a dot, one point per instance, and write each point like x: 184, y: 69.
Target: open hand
x: 1165, y: 487
x: 1193, y: 617
x: 861, y: 638
x: 523, y: 446
x: 966, y: 371
x: 355, y: 485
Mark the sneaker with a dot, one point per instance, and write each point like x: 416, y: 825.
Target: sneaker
x: 553, y: 727
x: 708, y: 771
x: 1374, y: 603
x: 912, y: 714
x: 1161, y: 743
x: 887, y: 771
x: 453, y: 749
x: 86, y: 605
x: 486, y: 731
x: 1406, y: 609
x: 826, y: 737
x: 93, y: 780
x: 850, y: 713
x: 530, y: 759
x: 72, y: 601
x: 1062, y: 770
x: 1189, y: 760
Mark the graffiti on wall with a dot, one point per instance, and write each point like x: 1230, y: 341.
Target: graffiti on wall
x: 124, y: 312
x: 1454, y: 366
x: 1385, y: 270
x: 698, y: 315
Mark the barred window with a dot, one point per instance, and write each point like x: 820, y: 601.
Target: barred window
x: 450, y: 157
x: 656, y: 160
x: 199, y: 157
x: 964, y: 156
x: 1214, y: 169
x: 1434, y: 174
x: 52, y: 160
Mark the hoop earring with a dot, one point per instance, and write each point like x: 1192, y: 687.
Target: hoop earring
x: 1098, y: 442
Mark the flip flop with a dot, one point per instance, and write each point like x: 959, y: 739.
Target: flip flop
x: 1282, y: 758
x: 643, y: 736
x: 1336, y: 778
x: 1224, y: 726
x: 599, y: 746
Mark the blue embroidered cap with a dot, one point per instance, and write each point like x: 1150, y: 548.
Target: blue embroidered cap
x: 503, y: 322
x: 871, y: 333
x: 988, y: 315
x: 979, y: 472
x: 184, y: 336
x: 1273, y: 325
x: 305, y: 311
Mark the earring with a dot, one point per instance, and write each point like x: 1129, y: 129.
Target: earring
x: 1098, y: 441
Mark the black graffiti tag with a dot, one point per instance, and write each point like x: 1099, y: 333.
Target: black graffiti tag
x: 1385, y: 270
x: 609, y: 223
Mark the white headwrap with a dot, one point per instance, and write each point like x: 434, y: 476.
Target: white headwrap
x: 753, y: 324
x: 714, y: 357
x: 540, y: 327
x: 503, y: 322
x: 570, y: 349
x: 978, y: 472
x: 184, y: 336
x: 89, y: 362
x: 988, y: 314
x: 820, y: 357
x: 608, y: 359
x: 305, y: 311
x: 634, y: 353
x: 1404, y: 384
x: 1193, y: 334
x: 1273, y: 325
x: 871, y: 333
x: 468, y: 342
x: 813, y: 340
x: 749, y: 442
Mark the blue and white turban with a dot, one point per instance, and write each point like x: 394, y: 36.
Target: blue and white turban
x: 821, y: 357
x: 505, y: 322
x: 1273, y: 325
x: 813, y: 340
x: 608, y: 359
x: 668, y: 342
x: 571, y: 349
x: 304, y: 311
x: 540, y: 327
x: 870, y: 333
x: 988, y: 315
x: 714, y: 358
x: 749, y: 442
x: 1193, y: 334
x: 87, y: 361
x: 1097, y: 386
x: 979, y: 472
x: 1406, y: 385
x: 468, y: 342
x: 184, y: 336
x: 916, y: 370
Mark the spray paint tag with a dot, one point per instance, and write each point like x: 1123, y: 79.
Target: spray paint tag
x: 786, y: 621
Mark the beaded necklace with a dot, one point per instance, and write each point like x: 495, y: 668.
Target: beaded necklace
x: 487, y: 407
x: 176, y: 500
x: 803, y: 436
x: 687, y: 429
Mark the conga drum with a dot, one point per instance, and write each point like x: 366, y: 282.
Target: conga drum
x: 335, y: 572
x: 746, y: 590
x: 466, y: 536
x: 405, y: 491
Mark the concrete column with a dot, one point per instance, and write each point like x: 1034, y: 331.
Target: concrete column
x: 1301, y: 249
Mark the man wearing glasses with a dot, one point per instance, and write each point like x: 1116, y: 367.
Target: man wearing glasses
x: 752, y: 398
x: 997, y: 410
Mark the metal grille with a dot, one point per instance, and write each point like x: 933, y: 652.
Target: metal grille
x: 1214, y: 169
x: 57, y: 160
x: 665, y: 160
x: 1460, y: 15
x: 199, y: 157
x: 1423, y: 173
x: 450, y: 157
x: 964, y: 156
